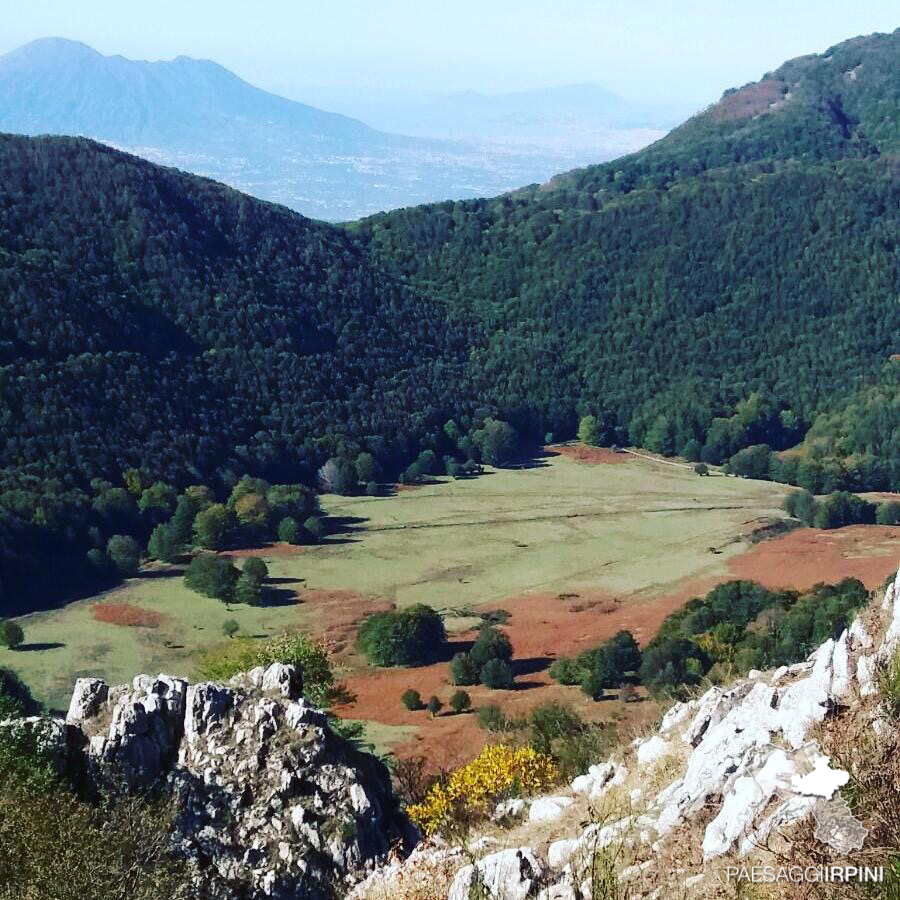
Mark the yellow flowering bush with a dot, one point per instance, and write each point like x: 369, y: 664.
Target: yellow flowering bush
x: 498, y: 771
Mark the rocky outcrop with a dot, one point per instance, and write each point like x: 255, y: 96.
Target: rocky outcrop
x: 272, y: 803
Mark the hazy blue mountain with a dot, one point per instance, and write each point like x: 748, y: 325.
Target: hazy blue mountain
x: 199, y: 116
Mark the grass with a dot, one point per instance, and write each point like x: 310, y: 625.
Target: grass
x: 458, y: 546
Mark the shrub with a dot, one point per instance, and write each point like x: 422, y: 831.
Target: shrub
x: 497, y: 674
x: 463, y: 670
x: 402, y: 638
x: 230, y: 628
x: 11, y: 634
x: 491, y: 718
x: 289, y: 530
x: 434, y: 706
x: 412, y: 700
x: 701, y: 469
x: 244, y: 653
x: 372, y: 489
x: 471, y: 791
x: 212, y: 576
x: 566, y: 671
x: 124, y: 553
x: 573, y: 744
x: 460, y: 701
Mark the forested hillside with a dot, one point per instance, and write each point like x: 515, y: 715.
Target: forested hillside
x: 158, y: 321
x: 724, y: 287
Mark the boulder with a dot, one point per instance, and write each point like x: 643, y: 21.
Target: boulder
x: 546, y: 809
x: 513, y: 874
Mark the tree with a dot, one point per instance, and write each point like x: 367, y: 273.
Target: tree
x: 211, y: 527
x: 601, y: 675
x: 589, y: 430
x: 158, y: 500
x: 314, y: 528
x: 230, y: 628
x: 412, y: 700
x: 212, y: 576
x: 434, y: 706
x: 289, y: 530
x: 497, y: 441
x: 490, y: 644
x: 248, y: 589
x: 366, y: 467
x: 256, y: 568
x: 888, y: 513
x: 163, y: 544
x: 11, y: 634
x: 124, y: 553
x: 624, y: 653
x: 402, y: 637
x: 463, y: 670
x: 337, y: 476
x: 460, y: 701
x: 497, y: 674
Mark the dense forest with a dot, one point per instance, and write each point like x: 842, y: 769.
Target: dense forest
x: 750, y: 255
x: 733, y: 286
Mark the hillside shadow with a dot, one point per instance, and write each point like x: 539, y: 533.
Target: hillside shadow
x: 274, y: 596
x: 154, y: 574
x: 534, y: 458
x: 531, y: 665
x: 341, y: 530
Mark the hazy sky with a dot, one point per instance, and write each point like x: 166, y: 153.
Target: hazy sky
x: 686, y: 51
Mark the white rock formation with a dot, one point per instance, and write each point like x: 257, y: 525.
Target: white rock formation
x: 272, y: 801
x: 513, y: 874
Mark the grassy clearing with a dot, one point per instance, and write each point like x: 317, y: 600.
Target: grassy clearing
x: 633, y: 528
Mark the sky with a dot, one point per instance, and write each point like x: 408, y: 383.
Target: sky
x: 684, y: 52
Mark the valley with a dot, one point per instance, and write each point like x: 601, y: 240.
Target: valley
x: 574, y: 545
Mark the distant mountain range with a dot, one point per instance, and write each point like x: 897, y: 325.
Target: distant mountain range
x: 199, y: 116
x: 584, y: 120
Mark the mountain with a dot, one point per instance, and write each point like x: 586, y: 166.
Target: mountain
x: 581, y: 122
x: 199, y: 116
x: 752, y: 254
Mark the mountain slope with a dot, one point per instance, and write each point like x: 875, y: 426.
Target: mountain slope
x: 201, y: 117
x: 164, y: 319
x: 753, y: 250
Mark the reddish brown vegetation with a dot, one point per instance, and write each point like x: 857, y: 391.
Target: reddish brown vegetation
x: 127, y: 615
x: 749, y: 101
x: 592, y: 455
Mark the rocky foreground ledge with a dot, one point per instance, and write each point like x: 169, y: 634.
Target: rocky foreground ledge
x: 271, y: 802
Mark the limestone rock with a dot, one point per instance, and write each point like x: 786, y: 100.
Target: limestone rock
x: 512, y: 874
x: 546, y: 809
x: 271, y: 802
